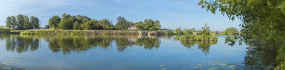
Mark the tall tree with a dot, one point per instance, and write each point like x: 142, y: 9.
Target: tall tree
x: 27, y: 23
x: 157, y: 25
x: 122, y: 23
x: 9, y: 22
x: 54, y: 21
x: 76, y: 25
x: 14, y: 22
x: 36, y: 23
x: 20, y: 21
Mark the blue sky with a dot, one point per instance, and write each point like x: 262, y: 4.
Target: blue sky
x: 171, y: 13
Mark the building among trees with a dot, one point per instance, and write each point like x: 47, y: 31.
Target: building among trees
x: 133, y: 27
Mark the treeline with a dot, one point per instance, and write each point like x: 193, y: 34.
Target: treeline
x: 148, y: 25
x: 205, y: 31
x: 79, y: 22
x: 20, y: 22
x: 68, y: 22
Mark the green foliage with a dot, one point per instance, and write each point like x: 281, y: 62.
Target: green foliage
x: 122, y: 23
x: 149, y: 25
x: 167, y: 32
x: 232, y: 31
x: 262, y: 20
x: 66, y: 21
x: 4, y: 31
x: 178, y: 31
x: 205, y: 30
x: 47, y: 27
x: 189, y: 37
x: 35, y: 22
x: 216, y: 32
x: 188, y: 31
x: 22, y: 22
x: 76, y: 25
x: 27, y: 23
x: 79, y: 22
x: 54, y: 21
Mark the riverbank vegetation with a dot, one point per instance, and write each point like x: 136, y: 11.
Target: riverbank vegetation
x: 77, y: 32
x: 189, y: 37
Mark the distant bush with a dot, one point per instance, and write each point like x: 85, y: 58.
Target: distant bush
x: 189, y: 37
x: 167, y: 32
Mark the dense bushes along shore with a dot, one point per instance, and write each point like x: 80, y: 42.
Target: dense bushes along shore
x: 196, y: 38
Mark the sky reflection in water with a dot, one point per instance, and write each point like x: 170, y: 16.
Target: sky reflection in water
x: 117, y: 53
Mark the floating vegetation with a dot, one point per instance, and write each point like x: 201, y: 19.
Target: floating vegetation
x: 216, y: 65
x: 7, y: 65
x: 161, y: 65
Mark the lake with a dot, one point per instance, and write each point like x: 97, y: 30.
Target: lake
x: 113, y: 52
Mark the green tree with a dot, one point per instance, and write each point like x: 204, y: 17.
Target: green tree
x: 76, y: 25
x: 216, y: 32
x: 157, y: 25
x: 27, y: 23
x: 232, y: 31
x: 122, y: 23
x: 188, y: 31
x: 9, y: 23
x: 178, y: 31
x: 54, y: 21
x: 205, y: 30
x: 47, y: 27
x: 20, y: 21
x: 14, y: 22
x: 67, y: 21
x: 35, y: 22
x: 262, y: 20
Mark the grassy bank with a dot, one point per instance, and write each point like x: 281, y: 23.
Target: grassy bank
x: 77, y: 32
x: 196, y: 38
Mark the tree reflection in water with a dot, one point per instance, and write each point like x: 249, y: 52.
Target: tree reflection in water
x: 66, y: 44
x: 257, y: 57
x: 21, y: 44
x: 203, y: 45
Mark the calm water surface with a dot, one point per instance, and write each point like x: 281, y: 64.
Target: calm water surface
x: 123, y: 53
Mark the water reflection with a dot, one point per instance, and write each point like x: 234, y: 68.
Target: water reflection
x: 21, y: 44
x: 79, y: 43
x: 256, y: 57
x: 203, y: 45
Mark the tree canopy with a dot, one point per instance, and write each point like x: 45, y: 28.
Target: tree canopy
x: 149, y: 25
x: 22, y: 22
x: 232, y: 31
x: 54, y: 21
x: 262, y: 20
